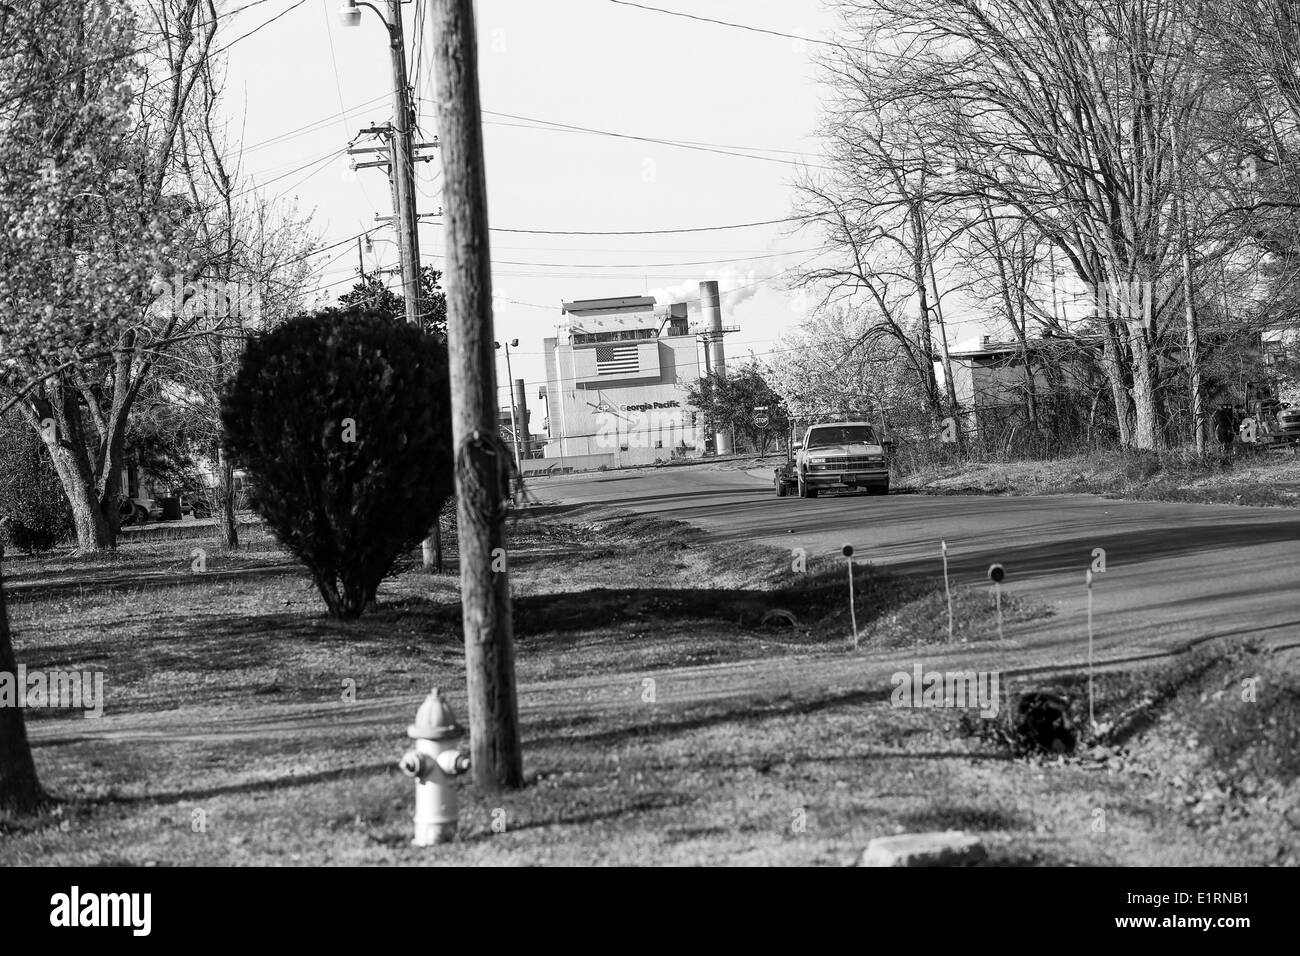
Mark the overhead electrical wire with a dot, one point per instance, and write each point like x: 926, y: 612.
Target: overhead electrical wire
x: 569, y: 379
x: 640, y: 232
x: 550, y: 126
x: 685, y: 142
x: 727, y: 23
x: 333, y: 245
x: 642, y: 265
x: 309, y: 127
x: 321, y: 161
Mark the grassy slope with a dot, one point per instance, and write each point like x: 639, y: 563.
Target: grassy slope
x: 802, y: 778
x: 1245, y: 480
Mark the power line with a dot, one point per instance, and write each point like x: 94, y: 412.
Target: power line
x: 726, y: 23
x: 566, y: 380
x: 642, y: 232
x: 719, y: 149
x: 641, y: 265
x: 310, y: 127
x: 297, y: 169
x: 694, y: 301
x: 672, y: 141
x: 334, y: 245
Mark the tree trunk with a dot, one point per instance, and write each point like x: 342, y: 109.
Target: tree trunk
x: 925, y: 272
x: 20, y: 790
x: 949, y: 385
x: 1195, y: 392
x: 92, y: 495
x: 1146, y: 417
x: 1020, y: 326
x: 110, y: 482
x: 94, y: 533
x: 223, y: 511
x: 931, y: 381
x: 1112, y: 360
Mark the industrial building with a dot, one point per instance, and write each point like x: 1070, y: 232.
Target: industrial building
x: 617, y: 375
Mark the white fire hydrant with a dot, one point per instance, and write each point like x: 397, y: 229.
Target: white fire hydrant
x: 434, y: 763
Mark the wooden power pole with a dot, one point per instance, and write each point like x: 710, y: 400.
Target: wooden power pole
x: 481, y: 465
x: 406, y: 216
x: 406, y: 221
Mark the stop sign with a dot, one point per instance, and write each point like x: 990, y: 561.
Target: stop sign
x: 760, y: 420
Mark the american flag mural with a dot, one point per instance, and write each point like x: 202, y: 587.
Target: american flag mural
x: 617, y: 359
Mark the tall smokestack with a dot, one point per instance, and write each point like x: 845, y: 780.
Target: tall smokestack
x: 521, y: 410
x: 711, y: 304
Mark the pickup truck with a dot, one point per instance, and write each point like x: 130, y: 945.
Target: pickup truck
x: 840, y: 454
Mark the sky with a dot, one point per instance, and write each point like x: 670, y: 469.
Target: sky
x: 299, y: 89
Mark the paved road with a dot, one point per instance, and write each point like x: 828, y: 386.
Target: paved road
x: 1175, y: 572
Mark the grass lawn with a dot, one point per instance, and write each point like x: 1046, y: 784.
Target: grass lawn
x: 243, y: 726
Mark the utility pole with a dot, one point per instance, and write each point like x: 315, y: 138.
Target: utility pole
x: 401, y: 151
x: 708, y: 377
x: 481, y: 465
x: 408, y: 239
x: 402, y: 173
x: 514, y: 423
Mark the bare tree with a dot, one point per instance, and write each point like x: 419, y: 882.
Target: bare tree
x: 255, y: 253
x: 1059, y: 110
x: 876, y: 208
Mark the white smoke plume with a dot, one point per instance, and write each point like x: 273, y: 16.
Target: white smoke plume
x: 734, y: 287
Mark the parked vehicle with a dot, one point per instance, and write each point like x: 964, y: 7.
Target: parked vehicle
x: 839, y: 454
x: 138, y: 511
x: 134, y: 510
x: 1288, y: 420
x: 786, y: 479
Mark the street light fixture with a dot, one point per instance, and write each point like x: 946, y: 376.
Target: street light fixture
x: 349, y: 14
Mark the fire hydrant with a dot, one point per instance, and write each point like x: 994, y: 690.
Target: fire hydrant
x: 434, y: 763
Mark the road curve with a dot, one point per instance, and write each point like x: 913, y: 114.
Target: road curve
x: 1174, y: 572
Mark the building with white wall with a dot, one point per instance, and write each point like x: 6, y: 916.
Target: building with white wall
x: 617, y: 375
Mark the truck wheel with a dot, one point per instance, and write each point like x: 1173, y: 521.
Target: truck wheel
x: 781, y: 490
x: 878, y: 489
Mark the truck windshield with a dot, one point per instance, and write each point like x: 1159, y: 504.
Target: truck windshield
x: 842, y: 435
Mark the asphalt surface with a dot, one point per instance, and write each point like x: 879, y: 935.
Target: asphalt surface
x: 1174, y: 572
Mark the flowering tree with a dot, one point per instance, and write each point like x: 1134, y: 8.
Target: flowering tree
x: 94, y: 235
x: 732, y: 401
x: 841, y: 362
x: 89, y: 120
